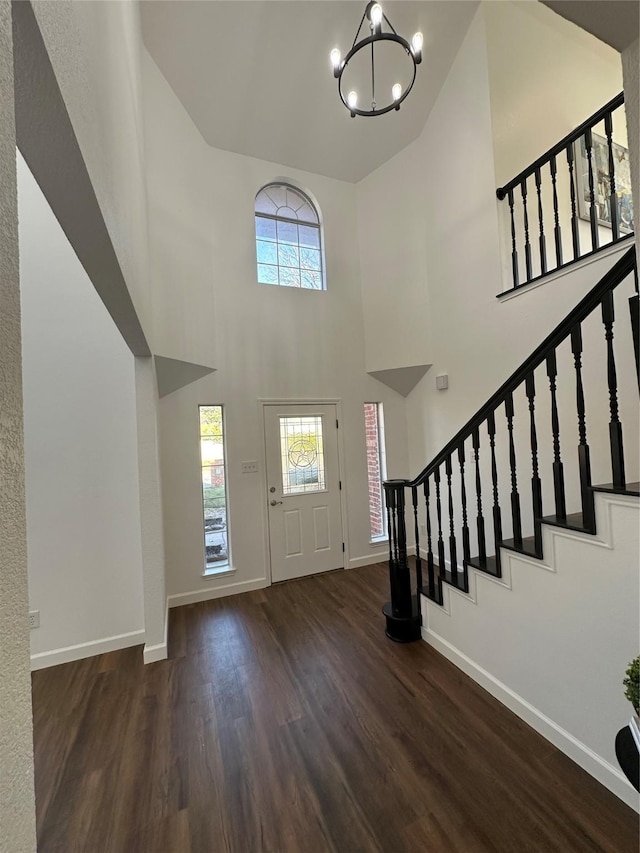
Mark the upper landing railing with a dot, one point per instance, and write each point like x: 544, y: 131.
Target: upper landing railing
x: 580, y: 190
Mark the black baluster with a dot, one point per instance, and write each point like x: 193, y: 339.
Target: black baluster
x: 593, y: 208
x: 390, y: 529
x: 466, y: 548
x: 497, y: 514
x: 558, y: 467
x: 430, y: 569
x: 527, y: 244
x: 542, y: 242
x: 557, y: 234
x: 515, y: 497
x: 441, y: 560
x: 482, y: 545
x: 453, y: 550
x: 575, y: 233
x: 584, y: 461
x: 613, y: 197
x: 615, y: 427
x: 403, y: 619
x: 514, y: 251
x: 414, y: 498
x: 536, y: 484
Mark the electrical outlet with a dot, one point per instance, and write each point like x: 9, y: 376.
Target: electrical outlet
x: 34, y: 619
x: 249, y: 467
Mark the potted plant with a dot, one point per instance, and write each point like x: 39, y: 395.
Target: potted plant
x: 631, y: 684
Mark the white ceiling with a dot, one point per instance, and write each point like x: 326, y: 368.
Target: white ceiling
x: 616, y: 22
x: 255, y: 77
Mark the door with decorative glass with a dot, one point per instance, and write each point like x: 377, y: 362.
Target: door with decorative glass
x: 303, y: 490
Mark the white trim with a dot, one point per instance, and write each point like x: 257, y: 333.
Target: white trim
x: 603, y: 252
x: 159, y: 651
x: 198, y: 595
x: 67, y: 654
x: 367, y: 560
x: 606, y: 773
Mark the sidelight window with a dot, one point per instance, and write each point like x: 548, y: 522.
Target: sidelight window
x: 214, y: 489
x: 376, y: 468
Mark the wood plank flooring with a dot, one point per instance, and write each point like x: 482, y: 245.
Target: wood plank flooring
x: 284, y: 721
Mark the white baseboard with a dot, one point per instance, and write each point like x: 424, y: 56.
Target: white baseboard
x: 381, y: 556
x: 209, y: 593
x: 159, y: 651
x: 611, y: 777
x: 67, y: 654
x: 368, y: 559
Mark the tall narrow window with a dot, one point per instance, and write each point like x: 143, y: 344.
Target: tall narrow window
x: 288, y: 238
x: 214, y: 490
x: 376, y: 468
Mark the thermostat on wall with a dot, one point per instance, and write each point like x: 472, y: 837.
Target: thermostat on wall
x: 442, y: 382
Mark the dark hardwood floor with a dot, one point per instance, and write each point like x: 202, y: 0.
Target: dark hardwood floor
x: 285, y: 721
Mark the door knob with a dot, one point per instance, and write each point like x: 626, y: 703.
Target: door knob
x: 274, y: 503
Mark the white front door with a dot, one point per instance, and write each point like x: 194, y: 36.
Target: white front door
x: 303, y: 490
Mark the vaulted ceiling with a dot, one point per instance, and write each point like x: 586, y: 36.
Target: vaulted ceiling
x: 255, y: 77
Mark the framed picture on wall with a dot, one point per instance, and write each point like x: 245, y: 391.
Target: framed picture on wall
x: 602, y: 182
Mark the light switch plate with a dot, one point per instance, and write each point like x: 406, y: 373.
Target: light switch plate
x: 250, y: 467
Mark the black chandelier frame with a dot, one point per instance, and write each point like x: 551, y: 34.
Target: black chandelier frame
x: 357, y: 46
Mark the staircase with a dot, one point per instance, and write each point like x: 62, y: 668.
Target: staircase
x: 544, y: 462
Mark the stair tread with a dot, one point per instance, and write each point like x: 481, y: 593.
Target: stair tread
x: 573, y: 521
x: 629, y: 489
x: 461, y: 581
x: 434, y: 594
x: 489, y: 566
x: 528, y: 547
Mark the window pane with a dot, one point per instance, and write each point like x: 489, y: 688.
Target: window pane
x: 290, y: 277
x: 375, y: 467
x: 278, y: 194
x: 264, y: 204
x: 312, y: 280
x: 288, y: 256
x: 214, y: 497
x: 267, y: 274
x: 267, y: 252
x: 302, y: 455
x: 307, y: 214
x: 309, y: 236
x: 310, y: 259
x: 287, y: 232
x: 265, y: 228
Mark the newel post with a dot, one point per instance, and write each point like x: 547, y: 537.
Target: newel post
x: 402, y: 612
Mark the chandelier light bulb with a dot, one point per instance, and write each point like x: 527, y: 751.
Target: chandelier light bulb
x: 352, y: 99
x: 396, y: 91
x: 416, y: 44
x: 335, y: 58
x: 376, y: 14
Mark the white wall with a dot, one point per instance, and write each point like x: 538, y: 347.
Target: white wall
x: 95, y: 52
x: 17, y: 804
x: 270, y: 342
x: 541, y: 640
x: 83, y: 519
x: 546, y: 76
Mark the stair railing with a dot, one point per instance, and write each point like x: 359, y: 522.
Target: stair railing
x: 585, y: 176
x: 433, y: 486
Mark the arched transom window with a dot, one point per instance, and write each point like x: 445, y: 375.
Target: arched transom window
x: 288, y: 238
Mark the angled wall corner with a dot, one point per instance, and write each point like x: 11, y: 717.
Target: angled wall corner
x: 401, y: 379
x: 173, y: 374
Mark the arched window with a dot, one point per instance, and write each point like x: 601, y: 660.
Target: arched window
x: 288, y: 238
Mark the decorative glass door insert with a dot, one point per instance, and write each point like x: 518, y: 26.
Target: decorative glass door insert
x: 302, y: 455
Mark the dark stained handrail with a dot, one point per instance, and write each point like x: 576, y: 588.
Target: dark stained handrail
x: 598, y: 116
x: 610, y: 280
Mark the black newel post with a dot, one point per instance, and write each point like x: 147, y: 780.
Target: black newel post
x: 402, y: 612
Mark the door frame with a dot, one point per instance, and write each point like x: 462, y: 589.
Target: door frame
x: 263, y: 404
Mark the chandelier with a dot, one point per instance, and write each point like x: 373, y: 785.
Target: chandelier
x: 377, y: 36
